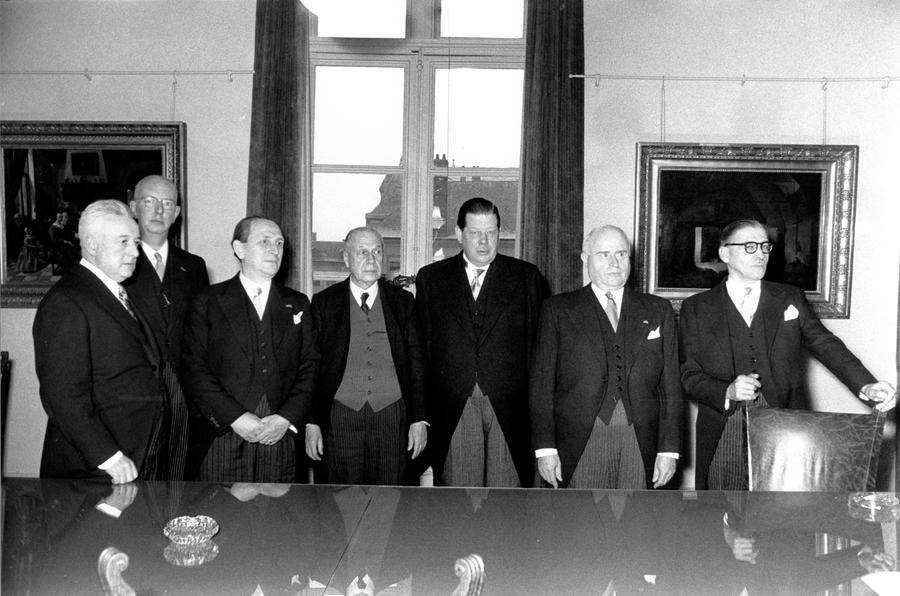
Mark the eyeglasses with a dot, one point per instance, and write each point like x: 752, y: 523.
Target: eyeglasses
x: 152, y: 203
x: 750, y: 247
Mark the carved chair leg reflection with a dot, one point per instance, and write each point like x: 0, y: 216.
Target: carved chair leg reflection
x: 470, y: 571
x: 110, y: 566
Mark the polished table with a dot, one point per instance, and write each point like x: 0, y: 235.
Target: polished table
x: 323, y: 539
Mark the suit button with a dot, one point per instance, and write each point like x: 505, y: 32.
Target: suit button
x: 264, y: 371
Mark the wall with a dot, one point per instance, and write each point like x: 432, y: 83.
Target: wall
x: 799, y: 38
x: 73, y: 35
x: 790, y: 38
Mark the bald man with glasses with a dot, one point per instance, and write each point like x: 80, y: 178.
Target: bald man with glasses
x: 741, y: 347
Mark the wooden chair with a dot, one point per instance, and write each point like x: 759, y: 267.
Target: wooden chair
x: 800, y: 450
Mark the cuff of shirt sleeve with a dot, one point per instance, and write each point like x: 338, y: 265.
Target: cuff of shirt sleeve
x: 544, y: 452
x: 111, y: 461
x: 108, y: 509
x: 671, y: 454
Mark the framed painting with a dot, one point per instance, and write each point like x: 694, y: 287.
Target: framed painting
x: 52, y: 170
x: 805, y: 195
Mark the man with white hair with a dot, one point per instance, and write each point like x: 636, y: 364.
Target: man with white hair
x: 99, y: 368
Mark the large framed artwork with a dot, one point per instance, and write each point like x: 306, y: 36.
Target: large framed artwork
x: 805, y: 195
x: 52, y: 170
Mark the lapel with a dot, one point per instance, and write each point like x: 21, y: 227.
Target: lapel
x: 117, y: 311
x: 496, y: 289
x: 716, y: 319
x: 391, y: 321
x: 458, y: 295
x: 281, y: 313
x: 231, y: 301
x: 342, y: 322
x: 584, y: 318
x: 770, y: 309
x: 631, y: 315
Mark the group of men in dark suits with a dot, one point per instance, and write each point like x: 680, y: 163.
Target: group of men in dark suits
x: 481, y: 376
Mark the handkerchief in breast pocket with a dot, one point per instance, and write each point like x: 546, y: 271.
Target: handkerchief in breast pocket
x: 298, y: 317
x: 654, y: 334
x: 791, y: 313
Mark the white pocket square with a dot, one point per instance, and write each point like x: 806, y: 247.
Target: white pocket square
x: 297, y: 317
x: 653, y: 334
x: 790, y: 313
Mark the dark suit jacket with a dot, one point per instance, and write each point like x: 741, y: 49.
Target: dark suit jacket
x: 707, y: 366
x: 510, y: 297
x: 166, y: 304
x: 331, y: 314
x: 218, y: 354
x: 568, y: 375
x: 99, y: 378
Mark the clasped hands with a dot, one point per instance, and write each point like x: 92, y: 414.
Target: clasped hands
x: 254, y: 429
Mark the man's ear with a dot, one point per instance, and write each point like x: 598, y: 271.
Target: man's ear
x: 723, y: 254
x: 238, y: 247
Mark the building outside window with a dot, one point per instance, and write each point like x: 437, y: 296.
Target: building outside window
x: 417, y: 108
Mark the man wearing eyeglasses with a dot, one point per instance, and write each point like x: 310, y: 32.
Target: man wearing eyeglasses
x: 166, y: 278
x: 369, y: 407
x: 741, y: 346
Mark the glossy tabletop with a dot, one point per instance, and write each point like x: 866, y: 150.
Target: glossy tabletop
x: 300, y: 539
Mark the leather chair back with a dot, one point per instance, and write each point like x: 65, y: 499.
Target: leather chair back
x: 799, y: 450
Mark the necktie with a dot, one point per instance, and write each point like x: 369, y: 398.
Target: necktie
x: 611, y: 311
x: 123, y: 298
x: 476, y: 282
x: 158, y: 265
x: 364, y: 305
x: 746, y: 306
x: 258, y: 303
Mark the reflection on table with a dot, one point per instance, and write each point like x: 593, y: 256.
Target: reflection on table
x: 305, y: 540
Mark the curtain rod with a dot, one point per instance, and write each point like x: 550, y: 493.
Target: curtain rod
x: 89, y: 74
x: 885, y: 81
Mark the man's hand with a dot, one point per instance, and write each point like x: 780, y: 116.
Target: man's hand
x: 744, y: 388
x: 883, y: 393
x: 550, y: 469
x: 273, y: 428
x: 663, y: 470
x: 123, y: 471
x: 248, y: 426
x: 743, y: 548
x: 122, y: 496
x: 314, y: 448
x: 418, y: 438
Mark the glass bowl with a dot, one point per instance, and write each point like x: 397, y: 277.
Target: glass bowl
x: 874, y: 507
x: 191, y: 529
x: 191, y: 555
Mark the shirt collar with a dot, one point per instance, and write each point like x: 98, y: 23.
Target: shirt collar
x: 737, y: 291
x: 163, y: 251
x: 249, y: 286
x: 111, y: 284
x: 471, y: 267
x: 601, y: 294
x: 357, y: 293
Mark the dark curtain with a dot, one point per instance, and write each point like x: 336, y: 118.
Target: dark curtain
x: 279, y: 179
x: 553, y: 141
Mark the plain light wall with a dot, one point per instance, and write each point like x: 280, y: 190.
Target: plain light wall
x: 791, y: 38
x: 154, y: 35
x: 798, y: 39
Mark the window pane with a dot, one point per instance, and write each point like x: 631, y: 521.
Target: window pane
x: 359, y: 18
x: 358, y: 115
x: 452, y: 191
x: 342, y: 202
x: 478, y: 116
x: 477, y: 18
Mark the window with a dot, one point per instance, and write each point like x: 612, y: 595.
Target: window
x: 417, y: 107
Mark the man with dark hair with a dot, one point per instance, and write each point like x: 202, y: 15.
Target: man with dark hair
x: 741, y: 347
x: 478, y: 313
x: 370, y: 391
x: 97, y: 363
x: 605, y: 395
x: 250, y: 362
x: 166, y: 279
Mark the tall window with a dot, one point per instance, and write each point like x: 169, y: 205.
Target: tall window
x: 417, y: 107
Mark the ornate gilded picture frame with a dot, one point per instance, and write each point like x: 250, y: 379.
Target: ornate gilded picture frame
x: 804, y: 194
x: 52, y: 170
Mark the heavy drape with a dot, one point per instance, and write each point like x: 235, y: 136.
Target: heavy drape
x: 279, y: 179
x: 553, y: 141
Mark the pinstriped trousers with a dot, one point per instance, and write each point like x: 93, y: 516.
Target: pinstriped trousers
x: 612, y: 458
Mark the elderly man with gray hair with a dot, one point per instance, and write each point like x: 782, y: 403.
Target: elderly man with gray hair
x: 369, y: 409
x: 98, y: 366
